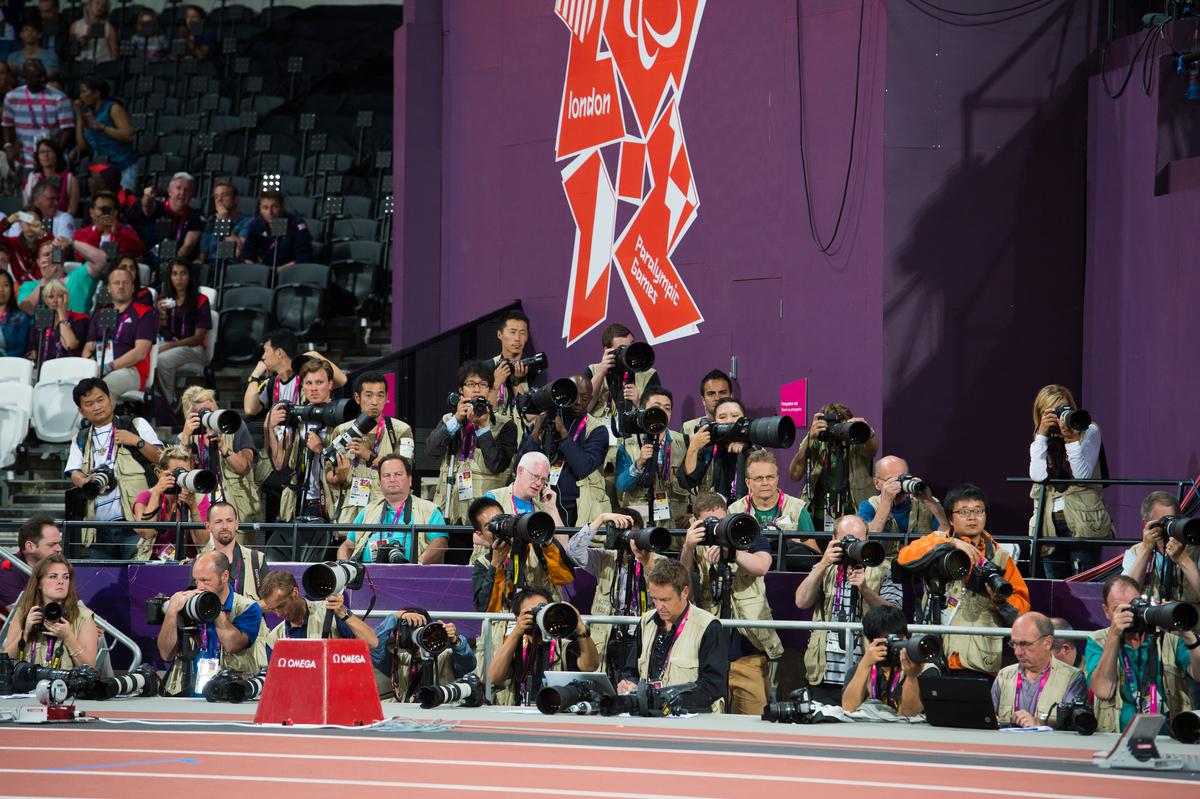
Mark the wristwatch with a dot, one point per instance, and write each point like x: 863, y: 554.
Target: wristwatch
x: 1193, y: 644
x: 587, y: 632
x: 141, y: 443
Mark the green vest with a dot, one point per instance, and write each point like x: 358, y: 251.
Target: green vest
x: 422, y: 512
x: 748, y: 601
x: 38, y: 651
x: 677, y: 496
x: 247, y: 663
x: 1052, y: 694
x: 482, y: 481
x: 392, y: 430
x: 814, y: 656
x: 683, y: 663
x: 1174, y: 682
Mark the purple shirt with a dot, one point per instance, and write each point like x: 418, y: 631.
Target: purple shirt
x: 183, y: 322
x: 136, y: 323
x: 50, y: 341
x: 12, y: 583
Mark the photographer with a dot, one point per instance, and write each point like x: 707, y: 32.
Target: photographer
x: 37, y: 539
x: 1137, y: 668
x: 879, y: 674
x: 303, y: 618
x: 230, y: 456
x: 509, y: 376
x: 63, y: 643
x: 636, y: 474
x: 125, y: 361
x: 836, y: 472
x: 727, y: 461
x: 272, y: 380
x: 397, y: 658
x: 229, y: 642
x: 524, y: 657
x: 474, y: 444
x: 297, y: 448
x: 894, y: 510
x: 714, y: 386
x: 166, y: 502
x: 766, y: 501
x: 247, y: 566
x: 1164, y: 566
x: 737, y: 576
x: 398, y: 506
x: 679, y: 643
x: 839, y: 588
x: 971, y: 601
x: 123, y: 452
x: 389, y: 437
x: 1064, y: 648
x: 620, y: 582
x: 628, y: 387
x: 1061, y: 450
x: 1025, y: 693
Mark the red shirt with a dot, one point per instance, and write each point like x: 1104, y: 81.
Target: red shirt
x: 20, y: 258
x: 128, y: 242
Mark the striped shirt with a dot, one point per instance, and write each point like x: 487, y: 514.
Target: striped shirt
x: 36, y: 115
x: 836, y: 661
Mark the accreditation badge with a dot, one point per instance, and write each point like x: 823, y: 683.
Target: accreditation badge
x: 360, y: 492
x: 465, y: 490
x: 206, y: 668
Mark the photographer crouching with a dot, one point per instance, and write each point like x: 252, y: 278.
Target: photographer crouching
x: 50, y: 626
x: 175, y: 497
x: 890, y: 667
x: 209, y: 628
x: 544, y: 636
x: 304, y: 618
x: 415, y: 652
x: 222, y: 444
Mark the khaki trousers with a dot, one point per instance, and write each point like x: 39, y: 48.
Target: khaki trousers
x: 748, y: 685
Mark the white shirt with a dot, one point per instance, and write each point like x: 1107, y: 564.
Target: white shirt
x: 64, y: 225
x: 1082, y: 456
x: 108, y: 506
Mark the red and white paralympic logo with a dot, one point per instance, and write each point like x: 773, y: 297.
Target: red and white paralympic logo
x: 643, y: 46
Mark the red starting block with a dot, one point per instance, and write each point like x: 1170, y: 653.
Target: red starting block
x: 319, y: 682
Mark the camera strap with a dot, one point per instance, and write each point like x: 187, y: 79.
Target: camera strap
x: 878, y: 680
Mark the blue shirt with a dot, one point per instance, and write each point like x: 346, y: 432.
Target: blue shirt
x: 403, y: 538
x: 248, y: 621
x: 14, y: 333
x: 1136, y: 659
x: 209, y: 241
x: 462, y: 657
x: 866, y: 512
x: 518, y: 505
x: 260, y: 245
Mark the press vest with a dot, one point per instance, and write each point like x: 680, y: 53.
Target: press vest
x: 287, y: 500
x: 1174, y: 682
x: 507, y: 695
x: 131, y: 477
x: 482, y: 481
x: 442, y: 667
x: 640, y: 379
x: 241, y: 491
x: 792, y: 508
x: 247, y: 663
x: 815, y: 662
x: 422, y: 513
x: 83, y: 617
x: 403, y: 435
x: 1083, y: 509
x: 677, y: 496
x: 601, y: 602
x: 683, y: 663
x: 977, y: 652
x: 862, y: 486
x: 748, y: 602
x: 1182, y: 589
x: 920, y: 522
x: 1052, y: 694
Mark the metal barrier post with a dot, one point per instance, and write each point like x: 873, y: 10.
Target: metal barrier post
x: 1039, y: 513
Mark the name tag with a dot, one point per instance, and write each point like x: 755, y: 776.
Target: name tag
x: 784, y: 522
x: 465, y: 491
x: 833, y: 642
x: 662, y: 508
x: 555, y: 473
x: 360, y: 492
x: 950, y: 611
x: 828, y: 521
x: 205, y: 669
x: 168, y: 553
x: 108, y: 353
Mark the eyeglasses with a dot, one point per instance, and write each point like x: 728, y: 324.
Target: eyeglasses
x: 538, y: 478
x: 475, y: 384
x: 1016, y: 646
x: 766, y: 478
x: 970, y: 513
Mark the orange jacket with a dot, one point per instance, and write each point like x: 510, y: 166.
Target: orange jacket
x: 502, y: 588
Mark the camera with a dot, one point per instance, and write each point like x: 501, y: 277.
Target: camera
x: 52, y: 611
x: 555, y: 620
x: 467, y: 692
x: 357, y: 429
x: 169, y: 303
x: 535, y: 527
x: 229, y: 686
x: 197, y: 481
x: 735, y: 531
x: 945, y: 564
x: 796, y: 709
x: 224, y: 422
x: 650, y: 701
x: 648, y: 421
x: 920, y: 648
x: 860, y: 553
x: 388, y: 552
x: 773, y: 432
x: 562, y: 393
x: 156, y: 609
x: 581, y: 697
x: 844, y: 432
x: 331, y: 414
x: 989, y: 575
x: 1184, y: 529
x: 81, y: 682
x: 654, y: 539
x: 538, y: 362
x: 1185, y: 726
x: 1072, y: 418
x: 429, y: 639
x: 913, y: 486
x: 322, y: 580
x: 1076, y: 716
x: 143, y: 681
x: 479, y: 405
x: 1167, y: 616
x: 201, y: 608
x: 101, y: 481
x: 635, y: 357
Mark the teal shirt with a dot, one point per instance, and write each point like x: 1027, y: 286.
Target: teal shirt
x: 80, y: 288
x: 768, y: 516
x: 1134, y: 657
x: 402, y: 538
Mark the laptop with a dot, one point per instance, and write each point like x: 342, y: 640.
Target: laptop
x: 963, y: 702
x: 598, y: 680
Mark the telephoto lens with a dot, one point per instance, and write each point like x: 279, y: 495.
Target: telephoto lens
x: 561, y: 393
x: 861, y: 553
x: 914, y: 486
x: 141, y: 682
x: 635, y: 357
x: 536, y: 527
x: 1185, y: 726
x: 945, y: 564
x: 201, y: 608
x: 556, y: 619
x: 467, y: 692
x: 1073, y: 418
x: 196, y: 481
x: 735, y: 531
x: 654, y: 539
x: 224, y: 422
x: 796, y: 710
x: 323, y: 580
x: 431, y: 639
x: 556, y: 698
x: 1184, y: 529
x: 1170, y: 616
x: 920, y: 648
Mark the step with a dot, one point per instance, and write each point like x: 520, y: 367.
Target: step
x: 25, y: 500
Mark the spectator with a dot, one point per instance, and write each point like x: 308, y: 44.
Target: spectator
x: 199, y: 42
x: 21, y: 248
x: 74, y: 640
x: 65, y: 337
x: 880, y: 674
x: 230, y: 456
x: 14, y: 323
x: 262, y: 247
x: 54, y: 37
x: 225, y: 201
x: 166, y: 502
x: 94, y: 44
x: 106, y: 228
x: 397, y: 506
x: 125, y: 363
x: 32, y: 113
x: 104, y: 129
x: 142, y: 295
x: 31, y: 37
x: 148, y: 42
x: 52, y: 168
x: 107, y: 178
x: 44, y: 206
x: 248, y: 566
x: 185, y: 320
x: 80, y: 283
x: 395, y: 661
x: 303, y: 618
x: 38, y: 538
x: 186, y: 223
x: 523, y: 658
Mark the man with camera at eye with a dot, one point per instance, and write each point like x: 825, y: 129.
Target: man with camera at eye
x: 209, y: 628
x: 625, y: 371
x: 575, y: 444
x: 512, y: 371
x: 175, y: 497
x: 904, y: 504
x: 834, y: 461
x: 1143, y: 661
x: 849, y: 581
x: 732, y: 556
x: 679, y: 643
x: 888, y: 669
x: 414, y: 652
x: 714, y: 386
x: 648, y: 463
x: 722, y: 463
x: 398, y: 506
x: 1164, y: 562
x: 274, y: 378
x: 1027, y: 693
x: 222, y: 444
x: 546, y: 635
x: 303, y: 618
x: 247, y: 566
x: 970, y: 581
x: 475, y: 444
x: 388, y: 436
x: 37, y: 539
x: 111, y: 461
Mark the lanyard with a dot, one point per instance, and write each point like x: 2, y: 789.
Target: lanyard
x: 641, y: 587
x: 837, y: 590
x: 1036, y: 696
x: 277, y: 388
x: 112, y: 441
x: 32, y: 116
x: 467, y: 449
x: 897, y: 674
x: 392, y: 517
x: 52, y: 660
x: 1141, y: 683
x: 678, y: 630
x: 664, y: 460
x: 778, y: 507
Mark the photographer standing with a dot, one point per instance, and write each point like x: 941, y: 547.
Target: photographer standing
x: 398, y: 660
x: 726, y: 461
x: 273, y: 381
x: 1134, y: 668
x: 1166, y: 569
x: 116, y: 455
x: 63, y: 643
x: 1067, y: 445
x: 836, y: 472
x: 474, y: 444
x: 247, y: 566
x: 398, y: 506
x: 894, y: 510
x: 163, y: 503
x: 229, y: 642
x: 971, y: 601
x: 1025, y: 693
x: 627, y: 386
x: 732, y: 587
x: 524, y: 657
x: 303, y: 618
x: 230, y: 456
x: 389, y: 437
x: 509, y: 376
x: 839, y: 588
x: 638, y: 471
x: 714, y: 386
x: 880, y: 674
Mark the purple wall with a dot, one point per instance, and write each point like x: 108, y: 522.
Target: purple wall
x: 1140, y: 326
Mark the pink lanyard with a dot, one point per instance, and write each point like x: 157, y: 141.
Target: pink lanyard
x: 1037, y: 695
x: 678, y: 630
x: 33, y: 116
x: 277, y: 389
x: 1152, y: 689
x: 837, y: 589
x: 467, y: 450
x: 895, y: 680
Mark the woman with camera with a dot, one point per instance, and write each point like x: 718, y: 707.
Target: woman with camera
x: 1066, y: 445
x: 167, y: 502
x: 50, y: 626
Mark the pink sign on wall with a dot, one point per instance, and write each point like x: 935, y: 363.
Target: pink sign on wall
x: 793, y: 398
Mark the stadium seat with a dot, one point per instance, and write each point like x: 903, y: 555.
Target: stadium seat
x: 248, y: 204
x: 15, y: 402
x: 18, y: 370
x: 55, y: 417
x: 210, y: 345
x: 356, y: 228
x: 243, y: 329
x: 263, y: 104
x: 367, y: 252
x: 247, y: 275
x: 236, y: 296
x: 211, y: 294
x: 144, y: 398
x: 305, y: 206
x: 299, y: 306
x: 306, y: 274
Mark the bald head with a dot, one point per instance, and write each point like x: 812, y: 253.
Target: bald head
x: 890, y: 466
x: 849, y: 525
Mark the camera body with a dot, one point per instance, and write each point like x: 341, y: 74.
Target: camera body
x: 1072, y: 418
x: 1184, y: 529
x: 860, y: 553
x: 535, y: 527
x: 388, y: 552
x: 650, y: 701
x: 329, y: 414
x: 841, y: 431
x: 538, y: 362
x: 362, y: 425
x: 479, y: 405
x: 229, y: 686
x: 156, y: 609
x: 736, y: 531
x: 101, y: 481
x: 796, y: 709
x: 1075, y: 716
x: 913, y: 486
x: 989, y: 575
x: 640, y: 421
x: 1169, y: 616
